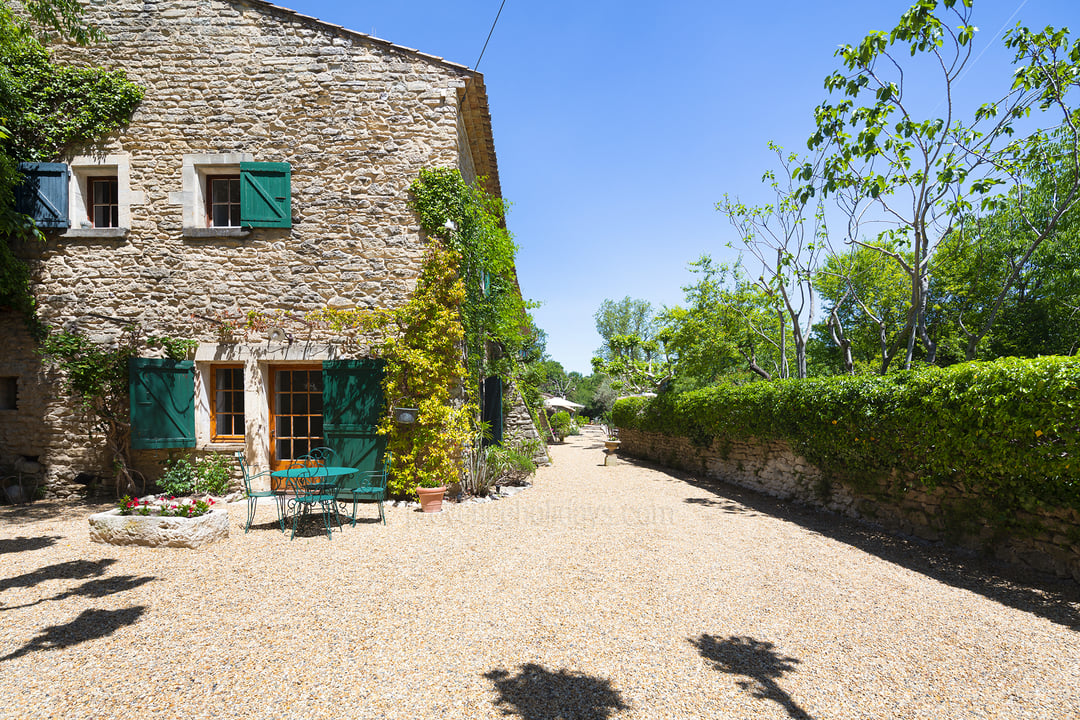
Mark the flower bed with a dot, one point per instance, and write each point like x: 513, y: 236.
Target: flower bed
x: 160, y: 522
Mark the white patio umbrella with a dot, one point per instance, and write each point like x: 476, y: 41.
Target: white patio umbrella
x: 556, y: 402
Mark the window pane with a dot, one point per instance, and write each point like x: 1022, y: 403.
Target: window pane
x: 234, y: 191
x: 284, y: 380
x: 284, y: 404
x: 300, y: 427
x: 300, y: 404
x: 234, y: 216
x: 102, y: 215
x: 316, y: 426
x: 114, y: 216
x: 316, y: 403
x: 281, y: 450
x: 237, y: 424
x: 284, y: 426
x: 223, y: 401
x: 219, y: 192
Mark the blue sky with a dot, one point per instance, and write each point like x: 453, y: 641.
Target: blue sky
x: 619, y: 125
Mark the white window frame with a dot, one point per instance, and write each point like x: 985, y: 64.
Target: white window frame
x: 194, y: 172
x: 85, y: 167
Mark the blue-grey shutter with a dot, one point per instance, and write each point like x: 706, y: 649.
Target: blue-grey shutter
x: 265, y: 194
x: 43, y: 194
x: 162, y: 403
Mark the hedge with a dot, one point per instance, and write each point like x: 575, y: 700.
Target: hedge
x: 1006, y: 429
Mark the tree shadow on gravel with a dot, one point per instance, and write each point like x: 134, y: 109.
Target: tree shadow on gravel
x: 536, y: 693
x: 25, y: 544
x: 14, y: 515
x: 70, y: 570
x: 90, y: 625
x: 99, y: 588
x: 757, y: 660
x: 1038, y: 593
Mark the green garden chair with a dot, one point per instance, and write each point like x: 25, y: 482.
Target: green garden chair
x: 315, y: 488
x: 367, y: 486
x: 253, y: 495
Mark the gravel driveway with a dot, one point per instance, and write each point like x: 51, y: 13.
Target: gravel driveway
x: 599, y: 592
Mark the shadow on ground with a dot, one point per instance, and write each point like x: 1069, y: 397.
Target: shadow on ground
x: 25, y: 544
x: 90, y: 625
x: 14, y: 515
x: 70, y: 570
x: 1046, y: 596
x: 98, y: 588
x: 536, y: 693
x: 757, y: 660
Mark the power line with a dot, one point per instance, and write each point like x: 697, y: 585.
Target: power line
x: 497, y: 15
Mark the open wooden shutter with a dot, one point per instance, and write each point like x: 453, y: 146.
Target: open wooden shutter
x: 43, y: 194
x: 352, y: 406
x: 265, y: 195
x: 162, y: 403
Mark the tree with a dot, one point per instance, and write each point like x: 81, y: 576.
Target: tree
x: 866, y: 305
x: 922, y: 176
x: 777, y: 235
x: 627, y: 317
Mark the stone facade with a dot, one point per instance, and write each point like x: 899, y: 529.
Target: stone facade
x: 226, y: 82
x: 899, y: 503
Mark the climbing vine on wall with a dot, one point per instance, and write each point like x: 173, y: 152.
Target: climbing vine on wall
x: 45, y: 110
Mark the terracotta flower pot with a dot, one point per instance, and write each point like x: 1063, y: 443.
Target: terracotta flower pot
x: 431, y: 498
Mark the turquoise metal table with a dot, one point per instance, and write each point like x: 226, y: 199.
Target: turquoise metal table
x: 307, y: 494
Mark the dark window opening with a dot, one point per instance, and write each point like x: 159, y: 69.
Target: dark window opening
x: 9, y: 387
x: 223, y: 201
x: 104, y: 208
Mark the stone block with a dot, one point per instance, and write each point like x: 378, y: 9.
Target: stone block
x: 154, y: 531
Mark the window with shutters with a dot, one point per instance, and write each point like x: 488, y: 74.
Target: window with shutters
x: 162, y: 394
x: 227, y: 194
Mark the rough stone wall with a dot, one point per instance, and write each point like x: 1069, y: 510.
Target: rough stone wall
x: 356, y: 119
x: 519, y: 423
x: 898, y: 503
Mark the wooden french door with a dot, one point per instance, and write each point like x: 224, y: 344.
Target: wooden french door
x: 296, y: 413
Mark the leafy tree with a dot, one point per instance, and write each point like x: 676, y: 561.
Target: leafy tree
x: 866, y: 305
x: 921, y: 174
x: 787, y: 248
x: 624, y: 318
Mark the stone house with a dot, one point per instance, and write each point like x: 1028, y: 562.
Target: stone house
x: 266, y: 170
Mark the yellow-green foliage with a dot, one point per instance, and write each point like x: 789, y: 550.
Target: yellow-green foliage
x: 421, y: 343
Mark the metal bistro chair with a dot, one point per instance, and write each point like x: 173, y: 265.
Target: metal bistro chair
x: 322, y: 455
x: 367, y: 487
x: 254, y: 495
x: 310, y: 490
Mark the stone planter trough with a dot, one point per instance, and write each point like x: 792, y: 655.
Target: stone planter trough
x: 156, y: 531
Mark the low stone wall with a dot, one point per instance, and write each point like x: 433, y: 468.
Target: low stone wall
x: 1050, y: 541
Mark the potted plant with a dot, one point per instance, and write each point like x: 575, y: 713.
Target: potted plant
x: 561, y: 424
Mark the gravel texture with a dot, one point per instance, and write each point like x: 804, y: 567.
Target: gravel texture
x: 622, y: 591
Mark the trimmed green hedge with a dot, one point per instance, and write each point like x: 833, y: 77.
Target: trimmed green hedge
x: 1008, y: 429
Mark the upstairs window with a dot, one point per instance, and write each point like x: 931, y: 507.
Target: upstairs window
x: 103, y: 206
x: 223, y: 201
x: 226, y: 194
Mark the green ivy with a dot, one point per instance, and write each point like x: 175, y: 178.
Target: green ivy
x: 45, y: 110
x: 1007, y: 430
x: 493, y: 311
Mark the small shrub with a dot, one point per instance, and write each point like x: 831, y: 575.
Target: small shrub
x: 183, y: 476
x: 561, y: 424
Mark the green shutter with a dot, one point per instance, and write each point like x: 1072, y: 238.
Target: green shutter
x: 265, y: 195
x: 162, y: 403
x: 352, y: 406
x: 43, y: 194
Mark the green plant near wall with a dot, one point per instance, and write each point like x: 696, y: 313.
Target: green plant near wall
x: 1005, y: 430
x: 470, y: 222
x: 45, y: 110
x: 421, y: 343
x: 97, y: 376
